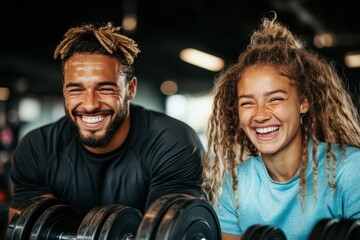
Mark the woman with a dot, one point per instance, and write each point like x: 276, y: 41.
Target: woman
x: 283, y: 139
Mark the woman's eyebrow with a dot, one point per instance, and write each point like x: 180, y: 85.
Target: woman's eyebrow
x: 266, y: 94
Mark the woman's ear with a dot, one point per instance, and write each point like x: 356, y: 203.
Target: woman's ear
x: 304, y: 106
x: 132, y: 87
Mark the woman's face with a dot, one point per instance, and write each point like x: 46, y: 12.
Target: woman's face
x: 269, y: 110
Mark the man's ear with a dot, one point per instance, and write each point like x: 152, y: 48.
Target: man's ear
x: 132, y: 87
x: 304, y: 106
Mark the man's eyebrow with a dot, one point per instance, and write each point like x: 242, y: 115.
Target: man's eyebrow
x: 107, y: 83
x: 73, y: 84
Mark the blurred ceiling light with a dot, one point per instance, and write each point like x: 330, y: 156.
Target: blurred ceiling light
x: 352, y: 59
x: 324, y: 40
x: 202, y: 59
x: 194, y: 110
x: 169, y: 87
x: 129, y: 22
x: 4, y: 93
x: 29, y: 109
x: 176, y: 106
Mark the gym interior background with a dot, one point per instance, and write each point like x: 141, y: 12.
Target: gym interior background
x: 30, y: 79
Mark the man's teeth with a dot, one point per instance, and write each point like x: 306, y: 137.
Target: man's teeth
x: 266, y: 130
x: 93, y: 119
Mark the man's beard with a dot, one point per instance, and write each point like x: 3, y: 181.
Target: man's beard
x: 101, y: 141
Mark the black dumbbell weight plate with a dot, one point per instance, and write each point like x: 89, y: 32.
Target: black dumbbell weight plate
x: 25, y: 217
x: 320, y: 231
x: 355, y: 232
x: 93, y: 221
x: 342, y: 229
x: 266, y: 232
x: 249, y: 233
x: 354, y: 226
x: 56, y: 222
x: 189, y: 218
x: 352, y: 229
x: 154, y: 215
x: 272, y: 233
x: 122, y: 223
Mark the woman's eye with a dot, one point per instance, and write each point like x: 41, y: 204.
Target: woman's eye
x: 245, y: 103
x: 277, y: 99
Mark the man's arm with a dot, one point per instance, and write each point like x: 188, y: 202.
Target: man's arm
x: 12, y: 212
x: 175, y: 163
x: 28, y: 166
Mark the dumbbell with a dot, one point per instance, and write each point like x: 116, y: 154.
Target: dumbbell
x: 50, y: 218
x: 179, y: 216
x: 22, y: 222
x: 333, y: 228
x: 263, y: 232
x: 174, y: 216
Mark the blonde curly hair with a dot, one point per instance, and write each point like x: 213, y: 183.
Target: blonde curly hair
x: 332, y: 116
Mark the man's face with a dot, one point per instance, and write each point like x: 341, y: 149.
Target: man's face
x: 96, y: 97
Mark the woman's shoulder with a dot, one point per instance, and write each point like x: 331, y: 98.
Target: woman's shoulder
x: 347, y: 157
x: 340, y: 151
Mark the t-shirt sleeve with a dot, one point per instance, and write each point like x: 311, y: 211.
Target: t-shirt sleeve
x: 28, y: 169
x: 226, y: 211
x: 175, y: 163
x: 347, y: 196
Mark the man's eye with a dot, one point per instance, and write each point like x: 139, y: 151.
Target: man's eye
x: 107, y: 90
x: 74, y: 90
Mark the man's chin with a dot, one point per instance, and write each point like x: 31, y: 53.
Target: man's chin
x: 94, y: 142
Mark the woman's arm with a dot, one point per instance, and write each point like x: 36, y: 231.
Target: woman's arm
x: 226, y: 236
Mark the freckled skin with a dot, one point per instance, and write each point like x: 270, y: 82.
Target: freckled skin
x: 268, y: 102
x: 96, y: 98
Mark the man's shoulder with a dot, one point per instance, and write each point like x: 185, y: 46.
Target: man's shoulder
x: 158, y: 125
x: 50, y: 130
x: 45, y: 139
x: 59, y: 124
x: 157, y: 118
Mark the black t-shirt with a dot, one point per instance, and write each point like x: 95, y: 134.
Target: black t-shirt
x: 161, y: 155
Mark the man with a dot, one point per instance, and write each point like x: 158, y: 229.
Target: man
x: 106, y: 150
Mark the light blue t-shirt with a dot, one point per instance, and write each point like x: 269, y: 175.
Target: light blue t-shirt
x: 265, y: 201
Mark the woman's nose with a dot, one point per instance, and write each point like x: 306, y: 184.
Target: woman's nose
x: 261, y: 113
